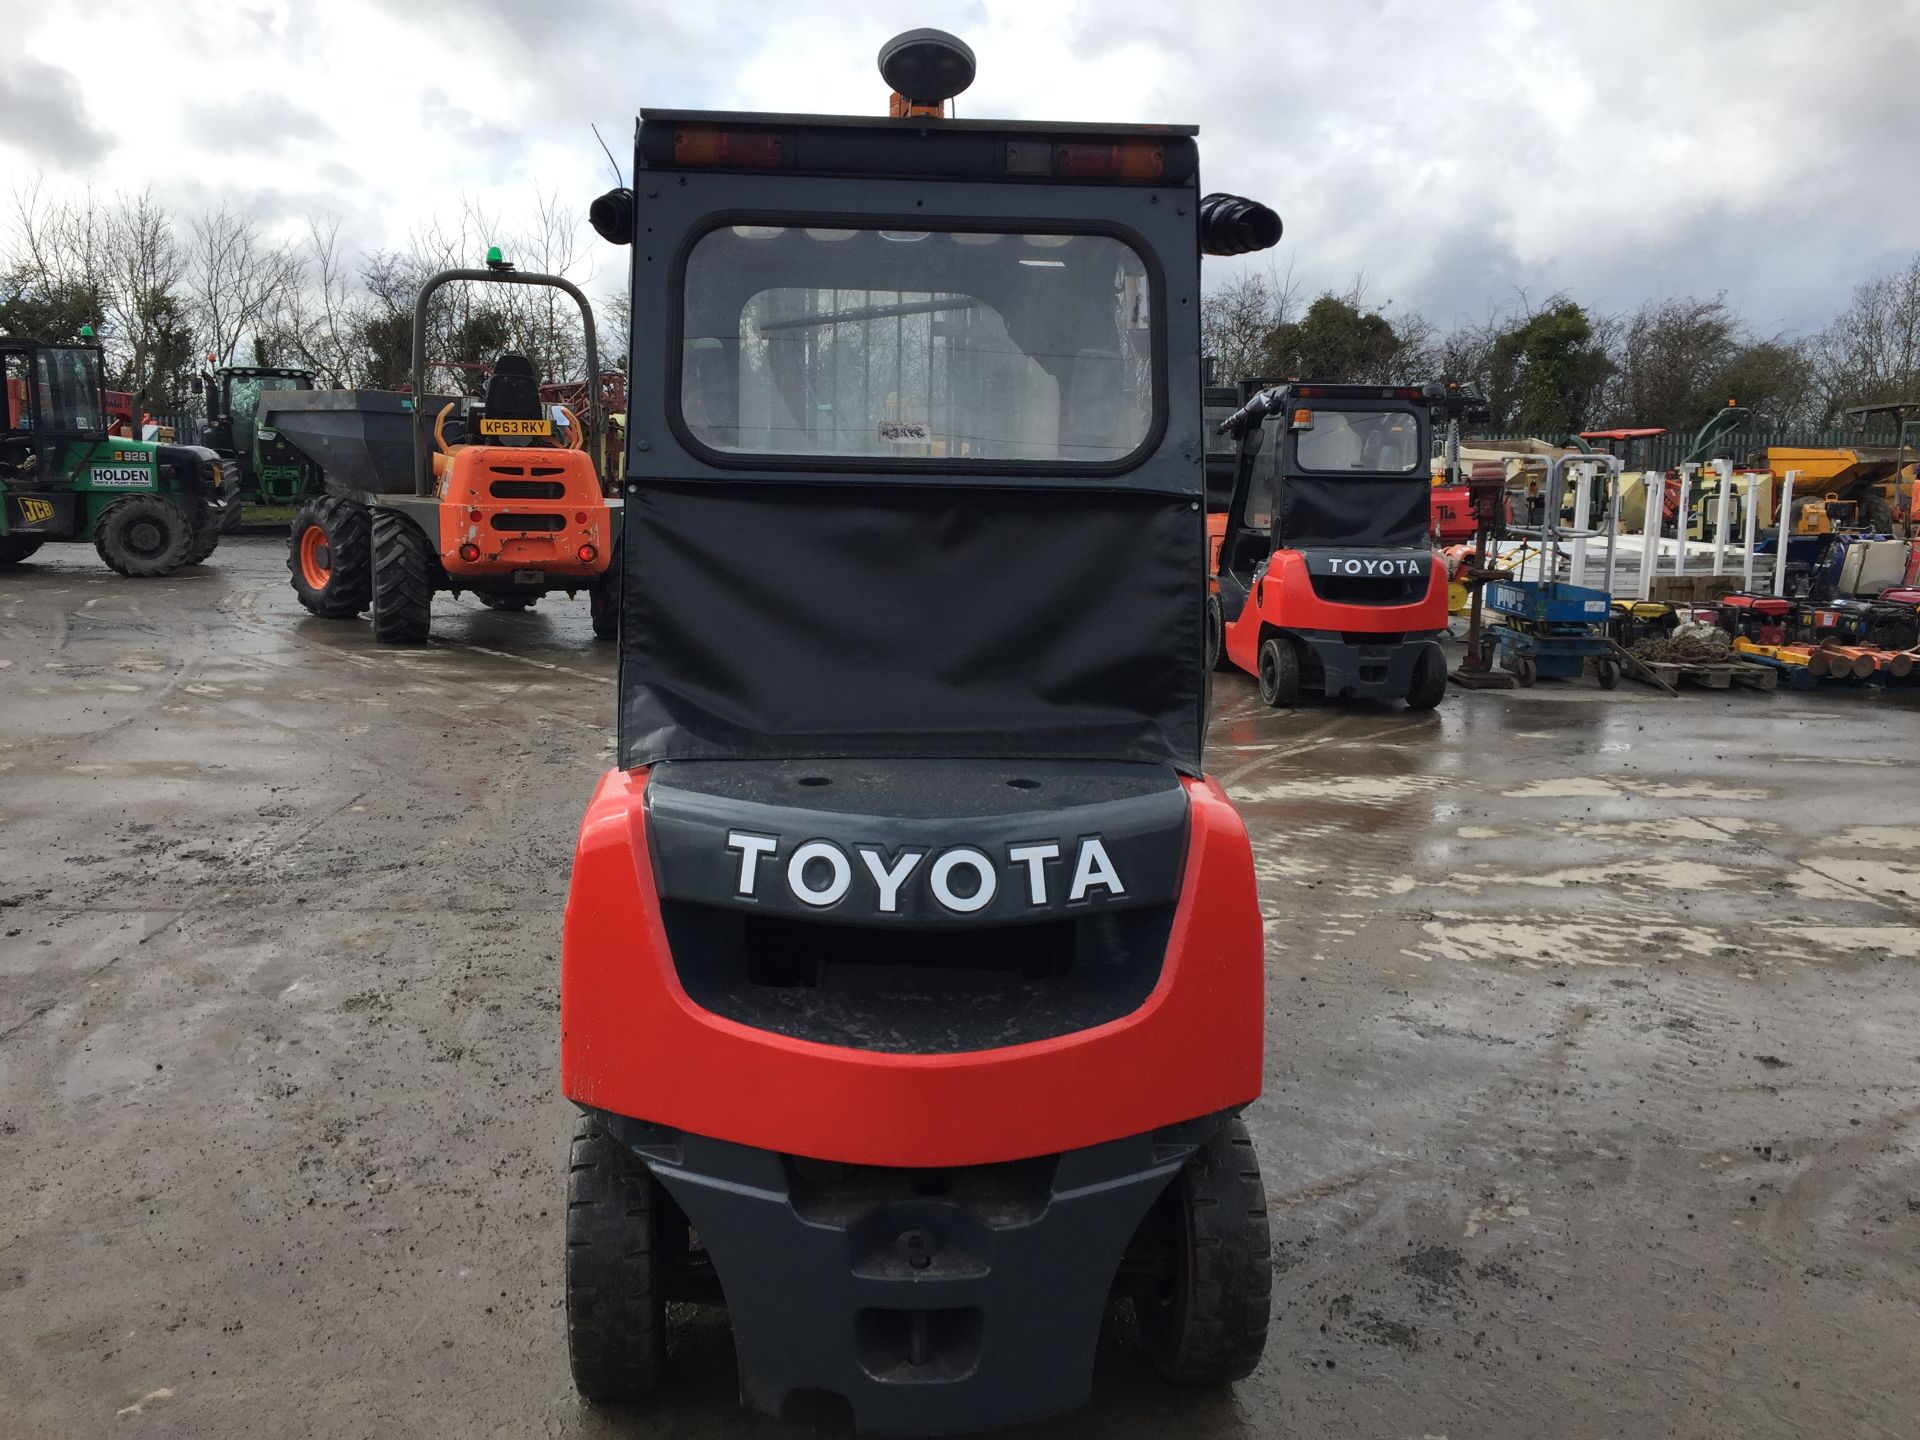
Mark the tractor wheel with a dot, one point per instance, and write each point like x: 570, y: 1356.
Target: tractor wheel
x: 1207, y: 1323
x: 603, y: 603
x: 1217, y: 635
x: 206, y: 538
x: 405, y: 570
x: 504, y: 600
x: 616, y: 1313
x: 15, y: 548
x: 1429, y: 685
x: 1607, y: 671
x: 232, y: 517
x: 330, y: 556
x: 1279, y: 671
x: 143, y: 536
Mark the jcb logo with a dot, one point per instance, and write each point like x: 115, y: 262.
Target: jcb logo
x: 34, y: 511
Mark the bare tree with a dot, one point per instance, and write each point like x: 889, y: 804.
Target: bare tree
x: 238, y: 282
x: 1238, y: 320
x: 144, y: 269
x: 1871, y: 351
x: 321, y: 320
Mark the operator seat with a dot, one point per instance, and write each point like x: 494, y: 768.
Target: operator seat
x: 513, y: 390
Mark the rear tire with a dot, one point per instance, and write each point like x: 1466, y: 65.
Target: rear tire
x: 143, y: 536
x: 1217, y: 635
x: 1208, y: 1323
x: 15, y: 548
x: 616, y: 1312
x: 233, y: 516
x: 1429, y: 685
x: 330, y: 557
x: 1279, y: 671
x: 405, y: 575
x: 603, y: 602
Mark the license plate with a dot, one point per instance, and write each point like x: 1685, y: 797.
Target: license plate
x: 529, y: 577
x: 515, y: 427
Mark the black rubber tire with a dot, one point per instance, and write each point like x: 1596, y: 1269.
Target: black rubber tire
x: 1876, y: 514
x: 233, y: 516
x: 498, y: 600
x: 1217, y: 635
x: 15, y: 548
x: 206, y: 537
x: 603, y: 602
x: 1279, y: 671
x: 616, y: 1311
x: 349, y: 539
x: 1208, y: 1324
x: 406, y: 572
x: 1525, y: 671
x: 1429, y: 684
x: 1607, y: 672
x: 143, y: 536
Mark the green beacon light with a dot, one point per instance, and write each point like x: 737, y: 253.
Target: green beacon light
x: 86, y: 332
x: 496, y: 261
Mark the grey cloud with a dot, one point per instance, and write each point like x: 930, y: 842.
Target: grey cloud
x: 42, y: 112
x: 258, y: 122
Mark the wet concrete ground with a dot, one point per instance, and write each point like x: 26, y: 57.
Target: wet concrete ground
x: 1593, y: 1077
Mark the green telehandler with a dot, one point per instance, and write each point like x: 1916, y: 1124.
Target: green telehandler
x: 149, y: 508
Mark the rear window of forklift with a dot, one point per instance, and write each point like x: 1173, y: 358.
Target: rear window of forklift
x: 1372, y: 442
x: 917, y: 349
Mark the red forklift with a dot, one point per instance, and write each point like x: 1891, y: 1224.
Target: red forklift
x: 1328, y: 580
x: 911, y: 983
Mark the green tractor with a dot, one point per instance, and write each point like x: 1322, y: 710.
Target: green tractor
x: 271, y: 472
x: 149, y: 508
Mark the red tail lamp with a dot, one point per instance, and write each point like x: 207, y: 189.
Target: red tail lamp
x: 469, y: 552
x: 587, y: 554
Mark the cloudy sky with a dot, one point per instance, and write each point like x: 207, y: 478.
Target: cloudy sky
x: 1453, y: 154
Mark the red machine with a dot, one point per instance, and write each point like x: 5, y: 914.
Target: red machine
x: 1328, y: 579
x: 911, y: 984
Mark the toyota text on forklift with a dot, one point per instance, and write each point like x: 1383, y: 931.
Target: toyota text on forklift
x: 912, y: 975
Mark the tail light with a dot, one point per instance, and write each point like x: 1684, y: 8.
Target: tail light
x: 1121, y: 160
x: 469, y: 552
x: 587, y: 554
x: 579, y: 517
x: 710, y: 145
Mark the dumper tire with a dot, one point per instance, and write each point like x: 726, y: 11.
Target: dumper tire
x: 143, y: 536
x: 603, y: 602
x: 1429, y: 684
x: 616, y: 1308
x: 1279, y: 673
x: 15, y: 548
x: 405, y: 575
x: 1206, y: 1324
x: 332, y: 569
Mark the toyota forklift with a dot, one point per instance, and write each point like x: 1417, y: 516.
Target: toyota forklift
x: 419, y: 493
x: 911, y: 980
x: 1327, y: 579
x: 148, y: 508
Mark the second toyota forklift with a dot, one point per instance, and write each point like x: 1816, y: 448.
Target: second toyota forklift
x: 1328, y: 580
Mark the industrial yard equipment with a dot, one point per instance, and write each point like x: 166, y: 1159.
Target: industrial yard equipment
x: 1328, y: 577
x: 271, y: 471
x: 149, y: 508
x: 911, y: 962
x: 420, y: 493
x: 1551, y: 627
